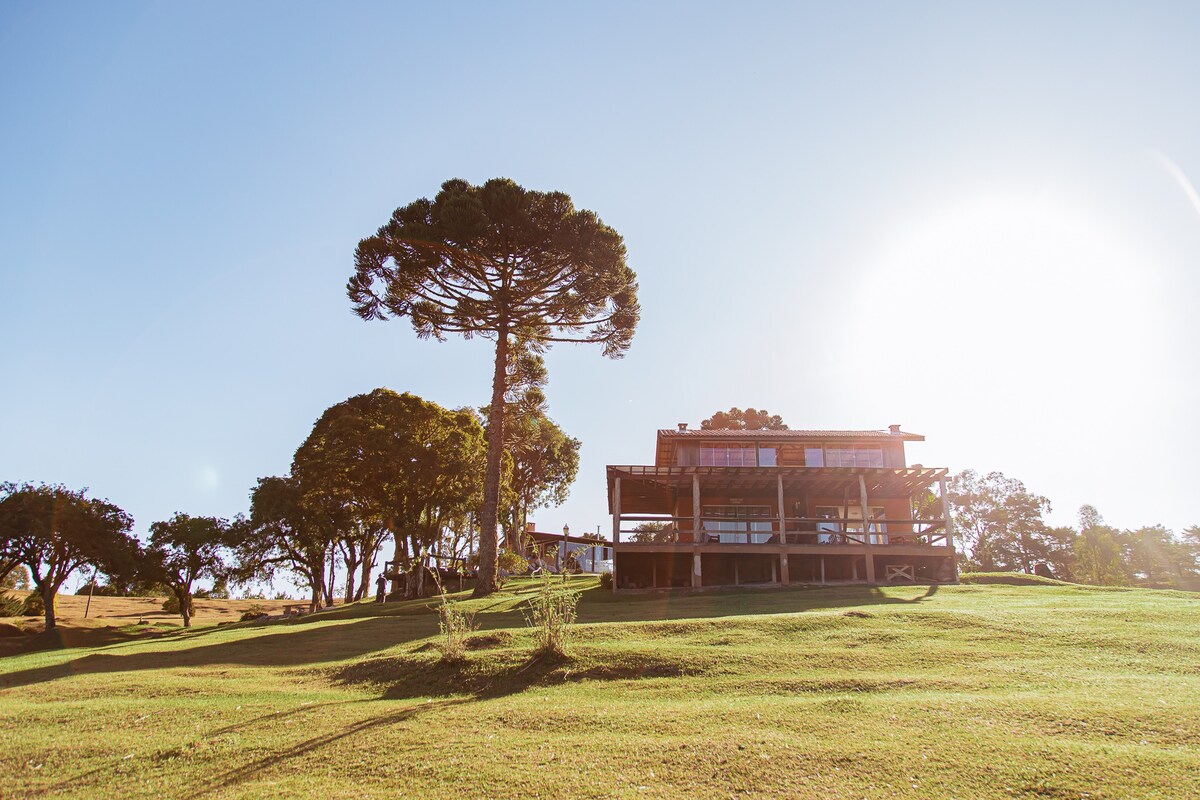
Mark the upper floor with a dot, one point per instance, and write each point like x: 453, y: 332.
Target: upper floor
x: 768, y: 448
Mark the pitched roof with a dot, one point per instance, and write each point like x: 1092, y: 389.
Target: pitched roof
x: 700, y: 433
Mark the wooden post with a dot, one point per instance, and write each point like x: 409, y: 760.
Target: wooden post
x: 736, y: 582
x: 654, y: 571
x: 866, y: 515
x: 616, y: 510
x: 696, y: 509
x: 822, y: 570
x: 949, y: 528
x: 845, y: 510
x: 782, y: 518
x: 784, y: 577
x: 697, y: 581
x: 946, y: 513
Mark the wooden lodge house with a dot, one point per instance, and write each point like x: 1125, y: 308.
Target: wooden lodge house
x: 778, y: 507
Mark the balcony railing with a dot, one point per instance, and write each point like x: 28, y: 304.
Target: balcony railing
x: 796, y: 530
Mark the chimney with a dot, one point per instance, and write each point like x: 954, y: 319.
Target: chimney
x: 682, y: 427
x: 894, y: 428
x: 529, y: 527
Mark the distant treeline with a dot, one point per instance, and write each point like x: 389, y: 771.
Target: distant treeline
x: 379, y: 468
x: 999, y: 526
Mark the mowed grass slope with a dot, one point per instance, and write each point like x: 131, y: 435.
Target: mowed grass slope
x: 968, y: 691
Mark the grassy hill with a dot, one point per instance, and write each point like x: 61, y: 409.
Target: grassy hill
x: 974, y: 691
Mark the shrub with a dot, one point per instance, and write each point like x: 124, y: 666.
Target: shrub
x: 454, y: 624
x: 551, y: 613
x: 512, y: 563
x: 11, y: 605
x: 33, y: 606
x: 255, y: 612
x: 606, y: 581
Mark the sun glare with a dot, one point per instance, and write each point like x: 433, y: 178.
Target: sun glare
x: 1029, y: 290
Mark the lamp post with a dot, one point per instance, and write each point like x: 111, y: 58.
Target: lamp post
x: 562, y: 551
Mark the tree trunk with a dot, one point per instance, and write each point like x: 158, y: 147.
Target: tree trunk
x: 486, y: 583
x: 332, y: 577
x: 185, y: 602
x: 48, y: 595
x: 315, y: 603
x: 367, y: 563
x: 351, y: 557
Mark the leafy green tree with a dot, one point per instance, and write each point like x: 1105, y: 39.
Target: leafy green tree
x: 749, y: 420
x: 395, y: 459
x: 523, y: 268
x: 1099, y: 559
x: 545, y: 461
x: 999, y: 520
x: 1190, y: 547
x: 184, y: 550
x: 647, y: 532
x: 53, y: 531
x: 341, y: 469
x: 16, y: 577
x: 1157, y: 558
x: 282, y: 534
x: 1057, y: 549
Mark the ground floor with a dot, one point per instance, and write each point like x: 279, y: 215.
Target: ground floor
x: 640, y: 567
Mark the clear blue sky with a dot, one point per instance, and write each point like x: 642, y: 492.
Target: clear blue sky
x: 979, y: 224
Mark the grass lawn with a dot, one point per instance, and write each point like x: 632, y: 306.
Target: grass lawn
x: 974, y: 691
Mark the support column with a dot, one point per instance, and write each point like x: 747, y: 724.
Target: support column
x: 822, y: 570
x: 782, y: 514
x: 949, y: 528
x: 697, y: 581
x: 784, y: 577
x: 696, y: 535
x: 616, y: 537
x: 616, y: 510
x: 866, y: 520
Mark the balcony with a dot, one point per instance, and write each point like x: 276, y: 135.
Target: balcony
x: 796, y: 531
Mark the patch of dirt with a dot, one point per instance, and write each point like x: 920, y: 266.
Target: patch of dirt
x: 859, y: 614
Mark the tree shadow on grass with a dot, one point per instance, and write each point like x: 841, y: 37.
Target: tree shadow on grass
x: 254, y: 768
x: 285, y: 647
x: 598, y: 605
x: 301, y: 749
x: 360, y: 632
x: 500, y: 674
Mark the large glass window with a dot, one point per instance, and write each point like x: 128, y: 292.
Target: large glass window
x: 727, y: 457
x: 814, y: 457
x: 738, y: 524
x: 853, y: 457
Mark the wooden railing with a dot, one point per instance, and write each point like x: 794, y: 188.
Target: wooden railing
x: 796, y: 530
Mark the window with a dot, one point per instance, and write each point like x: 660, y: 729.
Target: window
x: 737, y: 456
x: 853, y: 457
x: 727, y: 457
x: 814, y: 457
x: 739, y: 524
